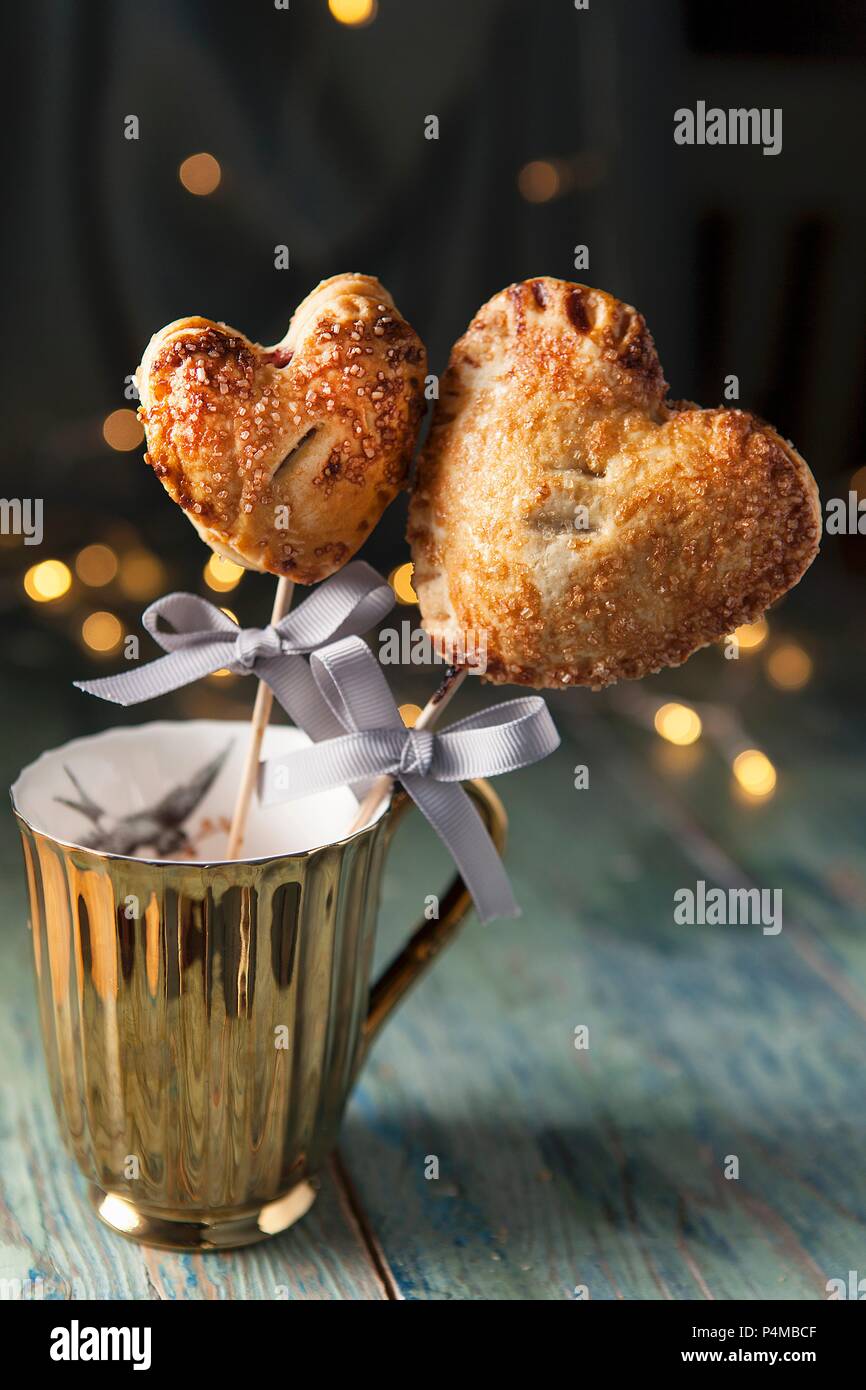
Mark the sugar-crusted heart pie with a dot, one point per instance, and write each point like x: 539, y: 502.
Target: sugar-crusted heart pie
x: 284, y: 458
x: 591, y: 529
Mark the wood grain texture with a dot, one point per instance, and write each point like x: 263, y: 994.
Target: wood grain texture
x: 561, y: 1169
x: 604, y: 1169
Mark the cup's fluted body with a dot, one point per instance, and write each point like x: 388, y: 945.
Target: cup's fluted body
x: 202, y: 1025
x: 204, y: 1022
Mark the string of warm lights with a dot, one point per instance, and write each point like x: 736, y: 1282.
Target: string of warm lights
x: 96, y: 565
x: 788, y: 665
x: 122, y: 430
x: 102, y: 631
x: 353, y: 13
x: 751, y: 636
x: 400, y: 580
x: 136, y: 576
x: 222, y: 575
x: 200, y: 174
x: 684, y: 724
x: 48, y: 581
x: 542, y: 180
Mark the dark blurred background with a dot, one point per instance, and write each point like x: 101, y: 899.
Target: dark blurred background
x: 555, y: 129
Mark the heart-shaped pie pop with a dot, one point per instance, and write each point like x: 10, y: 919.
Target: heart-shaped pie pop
x: 587, y: 528
x: 284, y: 458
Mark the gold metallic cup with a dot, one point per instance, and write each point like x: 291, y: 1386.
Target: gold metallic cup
x: 201, y: 1050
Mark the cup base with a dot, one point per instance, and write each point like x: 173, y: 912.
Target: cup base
x: 224, y: 1233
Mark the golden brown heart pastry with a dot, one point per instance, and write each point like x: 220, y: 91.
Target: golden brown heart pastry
x: 592, y: 530
x: 284, y: 458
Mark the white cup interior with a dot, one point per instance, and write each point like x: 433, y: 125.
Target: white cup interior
x: 127, y: 774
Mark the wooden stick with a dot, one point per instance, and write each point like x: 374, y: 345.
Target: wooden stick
x: 261, y: 715
x: 438, y: 702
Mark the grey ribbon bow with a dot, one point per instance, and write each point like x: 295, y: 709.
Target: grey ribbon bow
x: 205, y: 640
x: 430, y: 766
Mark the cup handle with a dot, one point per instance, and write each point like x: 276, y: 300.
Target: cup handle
x: 429, y: 937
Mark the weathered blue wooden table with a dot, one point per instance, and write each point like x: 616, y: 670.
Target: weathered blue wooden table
x: 707, y: 1142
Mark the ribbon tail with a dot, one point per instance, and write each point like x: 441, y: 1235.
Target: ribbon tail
x: 157, y: 677
x: 457, y: 823
x: 291, y: 680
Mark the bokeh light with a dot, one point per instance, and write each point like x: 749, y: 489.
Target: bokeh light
x: 353, y: 12
x: 755, y: 773
x: 230, y: 614
x: 221, y: 575
x: 410, y: 714
x: 200, y: 174
x: 96, y: 565
x: 122, y: 430
x: 142, y: 575
x: 102, y: 632
x: 751, y: 636
x: 47, y: 581
x: 678, y: 724
x: 400, y: 580
x: 789, y: 666
x: 539, y: 181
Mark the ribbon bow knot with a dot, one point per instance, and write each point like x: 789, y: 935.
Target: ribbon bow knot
x: 204, y: 639
x: 417, y: 755
x: 257, y: 644
x: 430, y: 765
